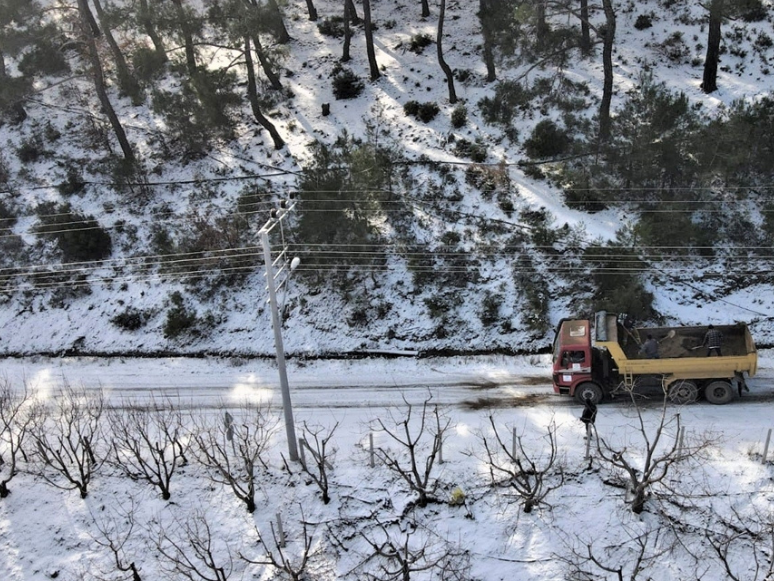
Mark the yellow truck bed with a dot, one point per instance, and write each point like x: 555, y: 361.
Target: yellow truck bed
x: 681, y: 356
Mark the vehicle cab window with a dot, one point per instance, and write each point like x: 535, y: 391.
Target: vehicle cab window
x: 573, y: 358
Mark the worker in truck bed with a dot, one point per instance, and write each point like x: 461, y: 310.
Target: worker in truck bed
x: 713, y: 339
x: 650, y: 348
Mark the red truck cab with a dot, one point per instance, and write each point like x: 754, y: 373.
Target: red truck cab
x: 572, y: 358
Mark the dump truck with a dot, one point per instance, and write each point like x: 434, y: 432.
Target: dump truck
x: 603, y: 358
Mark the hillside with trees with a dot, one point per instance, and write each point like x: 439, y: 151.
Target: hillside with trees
x: 454, y: 175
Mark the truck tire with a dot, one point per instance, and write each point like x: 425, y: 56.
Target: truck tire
x: 683, y: 391
x: 588, y: 388
x: 719, y: 392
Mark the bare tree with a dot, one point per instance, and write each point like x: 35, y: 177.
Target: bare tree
x: 233, y: 449
x: 67, y: 445
x: 114, y: 531
x: 630, y: 559
x: 415, y: 459
x: 648, y: 465
x: 425, y: 9
x: 17, y: 414
x: 194, y: 553
x: 515, y: 468
x: 369, y: 35
x: 98, y: 76
x: 312, y: 10
x: 441, y: 61
x: 274, y: 17
x: 317, y: 468
x: 348, y: 7
x: 277, y: 554
x: 148, y: 443
x: 408, y: 548
x: 740, y: 544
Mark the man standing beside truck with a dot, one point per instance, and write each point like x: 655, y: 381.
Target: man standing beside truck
x: 713, y: 339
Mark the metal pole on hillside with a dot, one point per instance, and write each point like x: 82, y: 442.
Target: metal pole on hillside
x: 275, y: 321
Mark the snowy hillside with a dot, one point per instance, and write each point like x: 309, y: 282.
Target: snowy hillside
x: 470, y: 250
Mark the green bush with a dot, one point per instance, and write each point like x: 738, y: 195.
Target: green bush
x: 346, y: 84
x: 419, y: 42
x: 80, y: 238
x: 643, y: 21
x: 490, y: 309
x: 73, y: 182
x: 130, y: 319
x: 148, y: 64
x: 510, y: 97
x: 43, y: 59
x: 459, y: 116
x: 475, y: 151
x: 179, y: 318
x: 332, y: 26
x: 547, y: 140
x: 425, y: 112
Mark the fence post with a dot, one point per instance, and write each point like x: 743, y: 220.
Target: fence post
x: 280, y: 532
x: 513, y: 444
x: 371, y: 444
x: 766, y: 447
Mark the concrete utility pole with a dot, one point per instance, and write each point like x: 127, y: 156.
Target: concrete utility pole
x: 271, y: 280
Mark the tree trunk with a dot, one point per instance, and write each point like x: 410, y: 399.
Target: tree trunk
x: 4, y: 492
x: 710, y: 81
x: 252, y: 96
x: 265, y: 64
x: 99, y: 85
x: 541, y: 26
x: 126, y: 81
x: 585, y: 44
x: 347, y: 30
x: 278, y: 24
x: 445, y: 67
x: 190, y: 54
x: 485, y: 15
x: 312, y: 10
x: 352, y: 12
x: 146, y: 18
x: 425, y: 9
x: 607, y: 64
x: 370, y: 40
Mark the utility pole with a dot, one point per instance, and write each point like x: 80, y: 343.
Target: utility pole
x: 271, y: 280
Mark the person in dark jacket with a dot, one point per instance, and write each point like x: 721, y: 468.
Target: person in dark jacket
x: 589, y: 414
x: 650, y: 348
x: 713, y: 339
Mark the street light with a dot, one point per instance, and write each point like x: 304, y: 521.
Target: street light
x: 276, y: 219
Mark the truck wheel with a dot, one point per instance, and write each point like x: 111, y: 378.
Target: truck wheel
x: 683, y: 391
x: 719, y: 392
x: 588, y: 389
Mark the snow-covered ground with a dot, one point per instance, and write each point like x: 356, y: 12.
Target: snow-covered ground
x: 725, y: 493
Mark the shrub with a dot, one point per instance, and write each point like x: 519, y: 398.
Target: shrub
x: 459, y: 116
x: 43, y: 59
x: 346, y: 84
x: 73, y: 182
x: 643, y: 21
x: 425, y: 112
x: 547, y: 140
x: 333, y: 26
x: 419, y: 42
x: 79, y: 237
x: 490, y: 309
x: 470, y: 150
x: 130, y: 320
x: 753, y: 10
x: 179, y: 318
x: 148, y: 63
x: 30, y: 150
x: 509, y: 97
